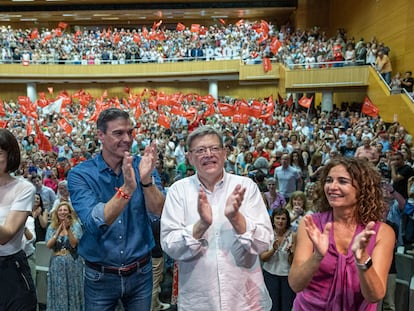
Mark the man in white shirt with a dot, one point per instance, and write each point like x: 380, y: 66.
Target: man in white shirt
x: 215, y: 225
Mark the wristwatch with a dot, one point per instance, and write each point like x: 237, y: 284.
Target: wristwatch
x: 364, y: 266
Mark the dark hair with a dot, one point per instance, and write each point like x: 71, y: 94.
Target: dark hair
x: 9, y: 144
x: 278, y: 212
x: 367, y: 182
x: 110, y: 115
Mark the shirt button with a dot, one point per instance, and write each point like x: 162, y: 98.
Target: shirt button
x: 120, y: 237
x: 122, y: 252
x: 120, y: 221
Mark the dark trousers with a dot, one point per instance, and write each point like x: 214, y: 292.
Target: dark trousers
x: 280, y: 292
x: 17, y: 289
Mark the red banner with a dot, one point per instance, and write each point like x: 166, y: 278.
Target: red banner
x: 305, y: 102
x: 267, y: 65
x: 369, y: 108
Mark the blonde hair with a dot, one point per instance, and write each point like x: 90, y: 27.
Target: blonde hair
x: 73, y: 217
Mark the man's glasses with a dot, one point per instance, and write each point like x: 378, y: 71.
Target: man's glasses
x: 200, y: 151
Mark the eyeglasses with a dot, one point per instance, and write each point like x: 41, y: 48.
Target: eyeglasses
x: 200, y: 151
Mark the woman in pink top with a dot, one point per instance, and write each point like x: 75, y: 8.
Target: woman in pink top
x: 344, y: 251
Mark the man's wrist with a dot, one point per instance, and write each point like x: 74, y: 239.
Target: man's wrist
x: 146, y: 185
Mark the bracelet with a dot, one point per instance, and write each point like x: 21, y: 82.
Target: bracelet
x: 146, y: 185
x: 121, y: 194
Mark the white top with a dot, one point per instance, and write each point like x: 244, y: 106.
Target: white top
x: 15, y: 196
x: 278, y: 264
x: 220, y: 271
x: 28, y: 245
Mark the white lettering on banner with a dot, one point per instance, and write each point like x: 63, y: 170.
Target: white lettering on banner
x: 221, y: 53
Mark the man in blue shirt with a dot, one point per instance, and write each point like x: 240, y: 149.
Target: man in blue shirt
x: 111, y: 194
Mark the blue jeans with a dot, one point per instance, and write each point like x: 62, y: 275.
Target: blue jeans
x: 103, y: 290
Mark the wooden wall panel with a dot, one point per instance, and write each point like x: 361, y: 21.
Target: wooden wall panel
x: 390, y: 22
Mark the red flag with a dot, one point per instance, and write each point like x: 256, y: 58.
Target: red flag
x: 138, y: 112
x: 289, y: 102
x: 265, y: 26
x: 137, y: 38
x: 275, y: 45
x: 62, y: 25
x: 156, y: 25
x: 195, y: 28
x: 3, y: 124
x: 240, y: 23
x: 180, y: 27
x: 117, y: 38
x: 244, y: 108
x: 82, y: 113
x: 210, y: 111
x: 280, y: 99
x: 164, y: 121
x: 270, y: 108
x: 257, y: 108
x: 65, y: 125
x: 267, y: 65
x: 305, y: 102
x: 226, y: 110
x: 34, y: 34
x: 369, y: 108
x: 58, y: 32
x: 241, y: 118
x: 2, y: 110
x: 288, y: 120
x: 145, y: 32
x: 222, y: 21
x: 29, y: 128
x: 41, y: 140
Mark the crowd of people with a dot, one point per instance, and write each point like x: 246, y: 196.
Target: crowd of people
x: 249, y: 41
x: 285, y: 161
x: 240, y: 198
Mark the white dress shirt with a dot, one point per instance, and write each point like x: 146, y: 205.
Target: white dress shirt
x: 220, y: 271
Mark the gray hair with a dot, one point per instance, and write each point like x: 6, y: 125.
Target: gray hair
x: 203, y: 131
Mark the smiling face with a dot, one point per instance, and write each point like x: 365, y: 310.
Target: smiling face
x: 116, y: 140
x: 280, y: 222
x: 209, y: 166
x: 339, y: 190
x: 63, y: 213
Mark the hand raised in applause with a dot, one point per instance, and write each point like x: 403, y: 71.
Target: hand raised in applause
x: 204, y: 209
x: 147, y: 164
x: 234, y: 201
x: 130, y: 183
x: 362, y: 239
x: 319, y: 239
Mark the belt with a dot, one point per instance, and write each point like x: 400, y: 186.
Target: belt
x: 62, y: 252
x: 121, y: 271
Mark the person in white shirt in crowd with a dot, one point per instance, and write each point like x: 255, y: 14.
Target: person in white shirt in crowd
x: 216, y: 225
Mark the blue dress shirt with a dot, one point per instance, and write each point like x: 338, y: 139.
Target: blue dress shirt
x: 91, y: 185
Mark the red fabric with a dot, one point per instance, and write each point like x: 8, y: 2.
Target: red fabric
x: 65, y: 125
x: 267, y: 65
x: 2, y: 110
x: 62, y: 25
x: 305, y: 102
x: 369, y: 108
x: 180, y: 27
